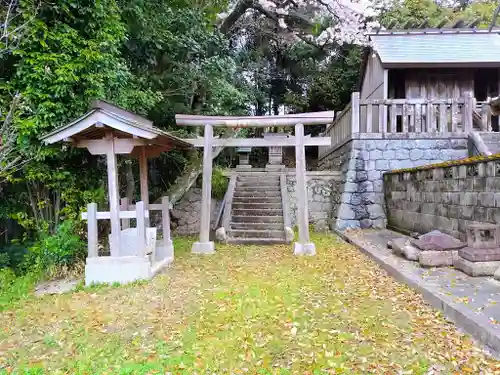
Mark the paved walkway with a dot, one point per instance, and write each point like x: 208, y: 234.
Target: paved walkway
x: 473, y: 303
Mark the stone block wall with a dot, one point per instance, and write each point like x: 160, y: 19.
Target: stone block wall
x: 186, y: 214
x: 321, y: 187
x: 448, y: 198
x: 364, y: 158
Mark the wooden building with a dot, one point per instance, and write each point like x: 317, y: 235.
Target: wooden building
x: 432, y: 64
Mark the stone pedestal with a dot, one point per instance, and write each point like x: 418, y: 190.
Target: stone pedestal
x: 275, y: 160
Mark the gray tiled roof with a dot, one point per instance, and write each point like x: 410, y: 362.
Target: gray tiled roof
x: 438, y: 48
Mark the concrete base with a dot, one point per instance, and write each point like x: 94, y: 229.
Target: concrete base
x: 203, y: 248
x: 304, y: 249
x: 109, y: 270
x: 476, y: 268
x: 164, y: 250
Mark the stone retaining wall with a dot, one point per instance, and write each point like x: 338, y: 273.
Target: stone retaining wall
x: 186, y: 214
x: 363, y: 158
x: 321, y: 187
x: 448, y: 198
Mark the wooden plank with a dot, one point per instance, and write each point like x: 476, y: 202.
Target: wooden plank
x: 411, y: 114
x: 418, y: 118
x: 369, y: 118
x: 313, y: 118
x: 261, y: 142
x: 124, y: 206
x: 407, y: 101
x: 382, y: 118
x: 100, y: 146
x: 393, y: 128
x: 106, y: 215
x: 92, y: 244
x: 468, y: 112
x: 405, y: 118
x: 454, y: 116
x: 431, y: 117
x: 355, y: 115
x: 443, y: 119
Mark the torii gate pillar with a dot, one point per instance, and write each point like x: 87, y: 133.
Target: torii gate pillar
x: 304, y: 246
x: 205, y: 246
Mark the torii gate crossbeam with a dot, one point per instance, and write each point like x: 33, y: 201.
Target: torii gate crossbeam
x: 304, y: 245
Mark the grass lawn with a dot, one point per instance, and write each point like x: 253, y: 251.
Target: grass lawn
x: 247, y: 309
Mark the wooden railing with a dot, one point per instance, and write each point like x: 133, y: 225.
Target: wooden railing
x: 340, y: 130
x: 401, y: 116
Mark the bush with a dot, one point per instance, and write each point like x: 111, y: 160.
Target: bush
x: 14, y: 288
x: 63, y: 249
x: 219, y: 183
x: 13, y: 256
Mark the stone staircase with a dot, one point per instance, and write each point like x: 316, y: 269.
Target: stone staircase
x: 257, y: 211
x: 483, y: 143
x: 492, y: 141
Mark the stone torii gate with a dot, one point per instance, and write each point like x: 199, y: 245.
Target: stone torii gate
x: 304, y: 245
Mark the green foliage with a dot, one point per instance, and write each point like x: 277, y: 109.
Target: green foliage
x: 219, y: 183
x: 12, y: 256
x: 14, y: 288
x: 62, y: 249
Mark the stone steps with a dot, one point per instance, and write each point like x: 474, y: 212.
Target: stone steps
x: 256, y: 226
x: 256, y: 205
x: 257, y: 211
x: 256, y: 233
x: 254, y: 199
x: 259, y: 185
x: 256, y: 241
x: 256, y: 193
x: 257, y: 219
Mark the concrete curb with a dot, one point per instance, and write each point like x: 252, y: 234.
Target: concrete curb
x: 458, y: 314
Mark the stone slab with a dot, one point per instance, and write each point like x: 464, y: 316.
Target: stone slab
x: 470, y: 302
x: 203, y: 248
x: 476, y: 268
x: 480, y: 255
x: 443, y: 258
x: 304, y: 249
x: 437, y: 241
